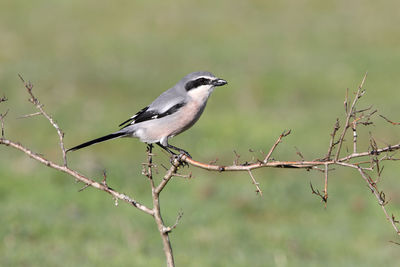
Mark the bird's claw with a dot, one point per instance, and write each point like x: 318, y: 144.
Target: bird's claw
x: 183, y: 152
x: 179, y: 159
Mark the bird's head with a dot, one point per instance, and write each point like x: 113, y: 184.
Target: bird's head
x: 201, y: 84
x: 202, y: 80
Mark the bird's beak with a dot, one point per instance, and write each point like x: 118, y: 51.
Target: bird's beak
x: 219, y: 82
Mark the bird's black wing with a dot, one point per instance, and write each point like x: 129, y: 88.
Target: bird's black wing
x: 128, y: 121
x: 146, y: 114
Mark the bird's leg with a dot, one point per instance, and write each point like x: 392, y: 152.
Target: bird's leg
x: 150, y: 148
x: 166, y: 149
x: 180, y: 150
x: 173, y: 155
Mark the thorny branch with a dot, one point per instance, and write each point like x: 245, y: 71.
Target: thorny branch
x: 394, y: 123
x: 360, y: 92
x: 332, y: 143
x: 284, y: 134
x: 380, y: 196
x: 363, y: 162
x: 358, y: 117
x: 257, y: 184
x: 2, y: 116
x: 326, y: 184
x: 78, y: 176
x: 35, y: 101
x: 316, y: 192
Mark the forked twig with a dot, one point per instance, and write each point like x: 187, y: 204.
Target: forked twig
x: 380, y: 196
x: 35, y: 101
x: 332, y: 142
x: 2, y: 116
x: 350, y: 113
x: 258, y: 189
x: 326, y: 185
x: 394, y: 123
x: 283, y: 134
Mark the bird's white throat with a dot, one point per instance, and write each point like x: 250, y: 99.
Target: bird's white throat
x: 201, y: 93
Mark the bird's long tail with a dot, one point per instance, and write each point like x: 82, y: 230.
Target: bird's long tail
x: 98, y: 140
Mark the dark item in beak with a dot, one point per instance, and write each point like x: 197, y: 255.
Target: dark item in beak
x: 219, y: 82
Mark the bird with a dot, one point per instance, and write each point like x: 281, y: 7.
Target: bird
x: 173, y: 112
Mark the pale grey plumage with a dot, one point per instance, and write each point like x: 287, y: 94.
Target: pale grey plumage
x: 173, y: 112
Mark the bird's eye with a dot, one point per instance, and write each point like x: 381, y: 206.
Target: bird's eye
x: 196, y: 83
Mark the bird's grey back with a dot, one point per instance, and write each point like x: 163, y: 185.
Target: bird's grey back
x: 176, y: 94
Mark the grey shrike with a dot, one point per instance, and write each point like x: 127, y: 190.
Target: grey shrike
x: 173, y: 112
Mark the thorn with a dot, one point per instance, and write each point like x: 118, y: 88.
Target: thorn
x: 237, y: 156
x: 286, y: 133
x: 104, y: 181
x: 316, y: 192
x: 213, y: 161
x: 394, y: 219
x: 167, y: 230
x: 22, y: 79
x: 396, y: 243
x: 30, y: 115
x: 83, y: 188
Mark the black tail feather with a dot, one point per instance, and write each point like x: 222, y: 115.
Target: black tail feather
x: 97, y: 140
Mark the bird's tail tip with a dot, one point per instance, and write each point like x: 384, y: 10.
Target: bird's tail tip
x: 97, y: 140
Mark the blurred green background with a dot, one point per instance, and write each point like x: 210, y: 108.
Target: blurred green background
x: 288, y: 63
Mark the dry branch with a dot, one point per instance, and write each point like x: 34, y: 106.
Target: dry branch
x: 78, y: 176
x: 394, y: 123
x: 35, y: 101
x: 360, y: 92
x: 364, y: 162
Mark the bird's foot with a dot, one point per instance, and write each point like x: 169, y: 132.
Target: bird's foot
x: 179, y: 159
x: 184, y: 152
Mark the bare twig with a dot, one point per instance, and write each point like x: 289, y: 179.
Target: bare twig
x: 213, y: 161
x: 30, y: 115
x: 375, y: 151
x: 380, y: 196
x: 284, y: 134
x: 326, y: 185
x: 298, y: 153
x: 288, y: 164
x: 185, y: 176
x: 237, y: 157
x: 316, y: 192
x: 155, y: 191
x: 258, y: 189
x: 2, y: 116
x: 332, y: 142
x: 178, y: 218
x: 171, y: 172
x: 394, y: 123
x: 350, y: 112
x: 84, y: 187
x: 35, y: 101
x: 80, y: 177
x: 104, y: 181
x: 394, y: 219
x: 354, y: 128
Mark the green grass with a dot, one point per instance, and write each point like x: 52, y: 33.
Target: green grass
x: 288, y: 64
